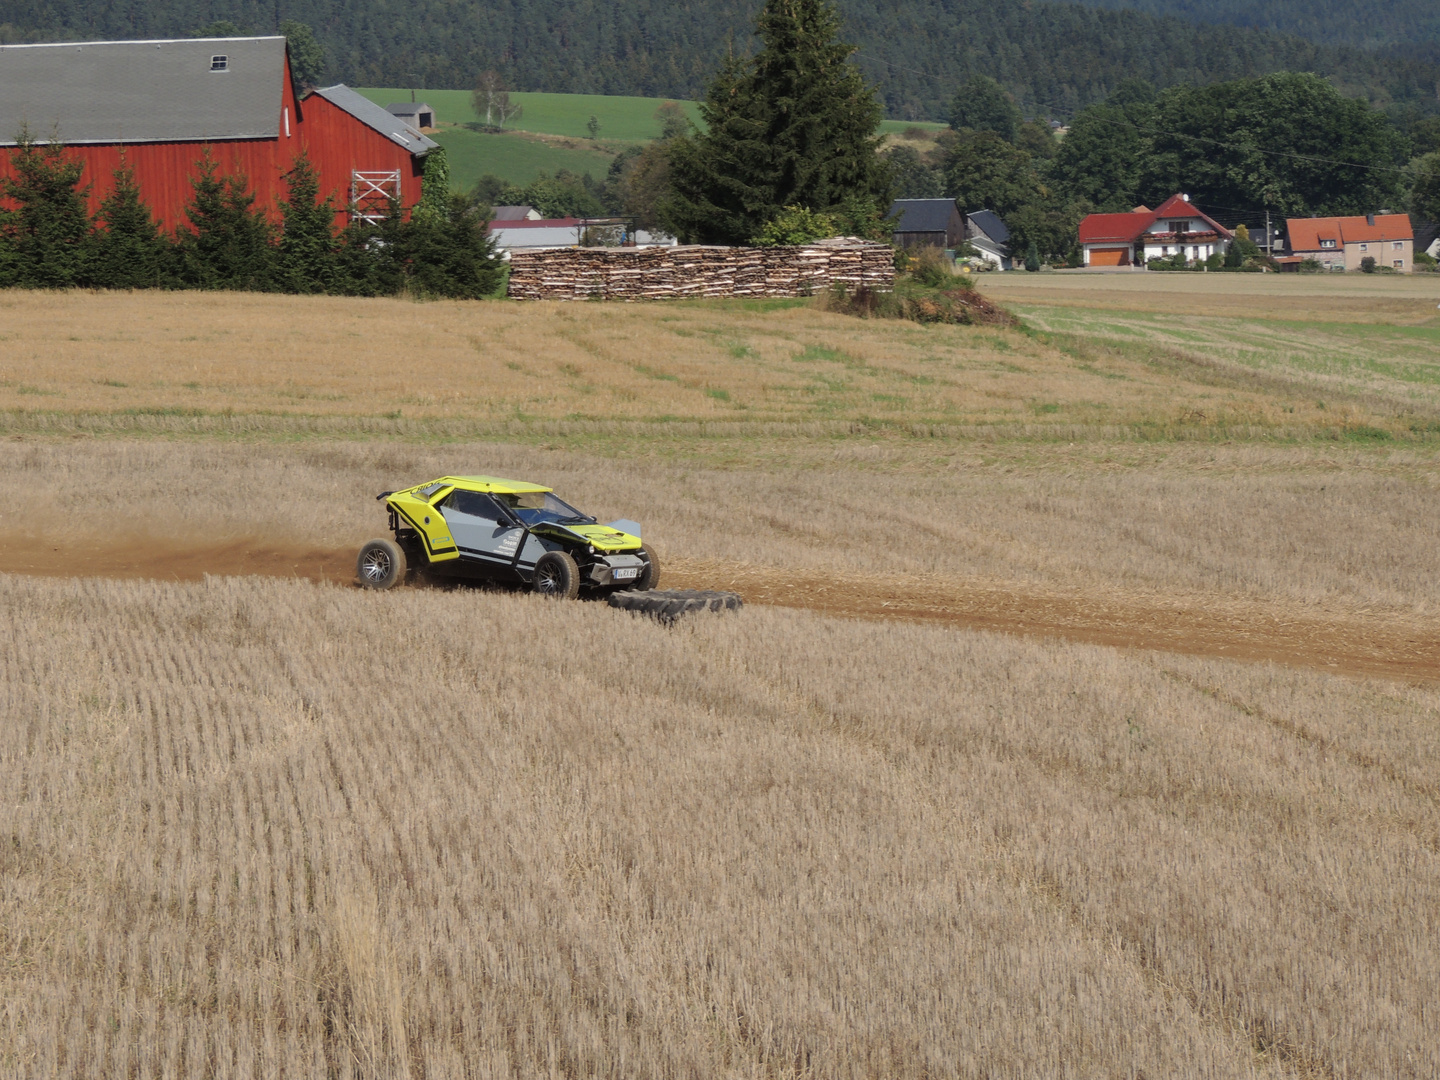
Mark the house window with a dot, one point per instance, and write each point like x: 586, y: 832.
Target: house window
x: 1398, y: 264
x: 1364, y: 247
x: 1327, y: 243
x: 1179, y: 226
x: 220, y: 62
x: 1398, y: 245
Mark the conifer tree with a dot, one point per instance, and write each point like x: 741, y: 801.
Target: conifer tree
x: 49, y: 231
x: 792, y: 126
x: 305, y: 259
x: 453, y: 257
x: 230, y: 247
x: 130, y: 252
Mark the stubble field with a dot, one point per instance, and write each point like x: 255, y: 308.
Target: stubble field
x: 266, y: 825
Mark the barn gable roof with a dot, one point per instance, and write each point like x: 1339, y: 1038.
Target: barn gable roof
x: 143, y: 91
x: 922, y: 215
x: 989, y: 224
x: 373, y: 116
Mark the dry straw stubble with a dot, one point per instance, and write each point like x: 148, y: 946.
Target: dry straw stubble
x: 259, y: 828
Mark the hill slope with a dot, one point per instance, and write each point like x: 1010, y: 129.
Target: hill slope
x: 1330, y: 22
x: 1056, y: 56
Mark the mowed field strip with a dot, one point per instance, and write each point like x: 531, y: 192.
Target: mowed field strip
x: 257, y: 822
x: 1284, y: 555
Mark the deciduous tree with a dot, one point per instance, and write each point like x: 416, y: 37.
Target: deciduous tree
x: 982, y: 104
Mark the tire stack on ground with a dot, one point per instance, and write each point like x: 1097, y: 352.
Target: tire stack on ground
x: 667, y: 605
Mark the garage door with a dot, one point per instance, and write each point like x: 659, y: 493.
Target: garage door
x: 1109, y: 256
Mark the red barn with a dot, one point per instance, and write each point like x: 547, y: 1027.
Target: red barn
x: 161, y: 105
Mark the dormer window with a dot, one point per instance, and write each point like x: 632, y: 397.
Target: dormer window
x: 220, y: 62
x: 1327, y: 243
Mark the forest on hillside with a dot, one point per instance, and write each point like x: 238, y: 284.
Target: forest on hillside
x: 1330, y: 22
x: 1055, y: 57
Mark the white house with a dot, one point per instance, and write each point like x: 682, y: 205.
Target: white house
x: 1177, y: 228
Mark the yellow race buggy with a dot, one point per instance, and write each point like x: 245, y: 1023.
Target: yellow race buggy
x: 484, y: 528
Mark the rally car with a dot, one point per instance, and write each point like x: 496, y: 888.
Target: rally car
x: 507, y: 531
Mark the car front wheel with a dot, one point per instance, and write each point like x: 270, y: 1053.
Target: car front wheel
x: 557, y: 575
x: 380, y: 565
x: 650, y: 576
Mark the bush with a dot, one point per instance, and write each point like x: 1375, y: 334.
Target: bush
x: 930, y: 267
x: 1425, y: 262
x: 796, y: 225
x: 1367, y: 264
x: 1310, y: 266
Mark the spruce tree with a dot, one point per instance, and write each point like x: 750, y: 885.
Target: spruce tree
x: 49, y: 231
x: 792, y: 126
x: 454, y: 257
x: 230, y: 247
x: 305, y: 259
x: 130, y: 252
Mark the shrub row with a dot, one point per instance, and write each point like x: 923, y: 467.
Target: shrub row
x: 49, y: 240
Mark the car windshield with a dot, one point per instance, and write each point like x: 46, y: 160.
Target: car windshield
x: 540, y: 507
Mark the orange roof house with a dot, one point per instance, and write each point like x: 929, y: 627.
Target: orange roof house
x: 1343, y: 243
x: 1177, y: 227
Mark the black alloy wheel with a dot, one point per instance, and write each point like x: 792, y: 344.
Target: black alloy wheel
x: 556, y: 575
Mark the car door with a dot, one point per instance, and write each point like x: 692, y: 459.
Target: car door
x: 482, y: 531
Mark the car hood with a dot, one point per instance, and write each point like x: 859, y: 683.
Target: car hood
x: 601, y: 537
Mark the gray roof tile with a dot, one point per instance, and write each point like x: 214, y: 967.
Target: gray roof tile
x: 367, y: 112
x: 142, y: 91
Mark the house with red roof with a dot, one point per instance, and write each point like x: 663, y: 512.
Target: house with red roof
x: 1343, y: 243
x: 1178, y: 227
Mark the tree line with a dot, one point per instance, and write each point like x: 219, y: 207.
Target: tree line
x: 1055, y: 57
x: 49, y: 238
x: 1289, y: 143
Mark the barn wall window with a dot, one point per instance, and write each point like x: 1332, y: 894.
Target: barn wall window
x: 220, y: 62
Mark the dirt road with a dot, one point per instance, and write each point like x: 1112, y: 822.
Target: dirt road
x: 1388, y: 645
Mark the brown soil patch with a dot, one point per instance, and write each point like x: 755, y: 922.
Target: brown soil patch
x: 1343, y: 642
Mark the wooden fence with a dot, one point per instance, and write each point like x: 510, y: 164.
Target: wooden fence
x: 672, y: 273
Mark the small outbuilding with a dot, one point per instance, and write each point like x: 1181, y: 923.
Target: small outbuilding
x: 417, y: 114
x: 927, y: 223
x: 990, y: 236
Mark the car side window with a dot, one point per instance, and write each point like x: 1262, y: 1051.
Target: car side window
x: 474, y: 504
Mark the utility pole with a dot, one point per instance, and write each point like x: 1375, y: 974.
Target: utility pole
x: 1269, y: 243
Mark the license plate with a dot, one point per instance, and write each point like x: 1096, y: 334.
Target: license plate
x: 625, y: 573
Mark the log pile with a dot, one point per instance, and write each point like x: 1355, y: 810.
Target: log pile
x: 671, y: 273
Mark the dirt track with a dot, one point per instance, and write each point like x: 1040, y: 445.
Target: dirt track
x: 1343, y: 642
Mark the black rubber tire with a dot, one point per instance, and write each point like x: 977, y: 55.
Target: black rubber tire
x: 649, y: 577
x: 557, y: 576
x: 380, y: 565
x: 667, y: 605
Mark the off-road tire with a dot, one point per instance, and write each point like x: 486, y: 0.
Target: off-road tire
x: 556, y: 575
x: 380, y: 565
x: 649, y: 577
x: 668, y: 605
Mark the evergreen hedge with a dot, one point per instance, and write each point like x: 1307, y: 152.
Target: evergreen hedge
x: 48, y: 239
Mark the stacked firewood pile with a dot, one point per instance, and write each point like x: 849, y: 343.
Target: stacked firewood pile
x: 668, y: 273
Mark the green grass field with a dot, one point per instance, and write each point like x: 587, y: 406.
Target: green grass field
x: 519, y: 159
x: 626, y: 119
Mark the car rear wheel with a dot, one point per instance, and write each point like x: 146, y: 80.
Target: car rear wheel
x: 380, y: 565
x: 650, y: 576
x: 557, y: 575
